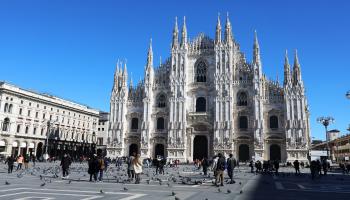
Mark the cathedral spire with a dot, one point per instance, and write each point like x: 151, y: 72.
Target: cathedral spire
x: 228, y: 31
x: 256, y: 50
x: 150, y: 55
x: 287, y: 79
x: 218, y: 31
x: 125, y: 75
x: 175, y: 35
x: 296, y: 69
x: 184, y: 33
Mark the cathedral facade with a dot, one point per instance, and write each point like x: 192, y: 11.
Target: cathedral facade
x: 206, y: 98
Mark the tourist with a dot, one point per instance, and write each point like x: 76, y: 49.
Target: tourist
x: 101, y: 167
x: 276, y: 165
x: 93, y: 167
x: 10, y: 162
x: 19, y: 162
x: 137, y: 165
x: 319, y: 167
x: 231, y: 164
x: 65, y: 163
x: 313, y: 169
x: 106, y: 162
x: 213, y: 167
x: 33, y: 160
x: 205, y: 164
x: 155, y: 163
x: 131, y: 172
x: 220, y: 168
x: 325, y: 166
x: 26, y: 161
x: 251, y: 165
x: 296, y: 167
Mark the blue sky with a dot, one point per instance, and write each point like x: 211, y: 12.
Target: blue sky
x: 70, y: 48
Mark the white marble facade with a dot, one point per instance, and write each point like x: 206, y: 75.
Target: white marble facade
x: 207, y: 98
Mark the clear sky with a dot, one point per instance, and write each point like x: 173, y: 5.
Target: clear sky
x: 70, y: 48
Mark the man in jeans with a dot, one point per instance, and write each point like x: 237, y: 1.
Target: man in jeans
x: 231, y: 164
x: 220, y: 168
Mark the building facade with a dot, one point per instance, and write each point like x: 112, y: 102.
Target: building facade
x: 207, y: 98
x: 102, y: 132
x: 30, y: 120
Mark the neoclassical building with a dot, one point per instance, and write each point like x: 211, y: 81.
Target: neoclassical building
x: 24, y: 127
x: 208, y: 98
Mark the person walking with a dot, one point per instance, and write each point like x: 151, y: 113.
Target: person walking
x: 10, y: 162
x: 93, y: 167
x: 276, y: 165
x: 313, y: 169
x: 251, y: 165
x: 205, y: 164
x: 231, y: 164
x: 101, y: 167
x: 26, y: 161
x: 220, y: 168
x: 325, y: 166
x: 131, y: 172
x: 296, y: 167
x: 65, y: 163
x: 19, y: 162
x: 137, y: 165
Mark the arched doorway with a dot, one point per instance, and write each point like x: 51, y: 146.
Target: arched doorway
x: 159, y: 150
x: 243, y: 155
x: 200, y: 147
x: 39, y: 150
x: 133, y: 148
x: 275, y: 152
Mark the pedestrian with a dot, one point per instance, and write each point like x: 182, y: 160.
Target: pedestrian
x: 296, y: 167
x: 276, y: 165
x: 131, y: 172
x: 319, y: 167
x: 26, y: 161
x: 93, y: 167
x: 161, y: 164
x: 215, y: 162
x: 155, y: 163
x: 231, y: 164
x: 205, y: 164
x: 101, y: 167
x: 325, y: 166
x: 19, y: 162
x: 106, y: 162
x: 33, y: 160
x: 220, y: 168
x: 313, y: 169
x: 137, y: 165
x: 251, y: 165
x: 65, y: 163
x: 10, y: 162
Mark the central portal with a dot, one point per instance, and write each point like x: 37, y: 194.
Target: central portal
x: 200, y: 147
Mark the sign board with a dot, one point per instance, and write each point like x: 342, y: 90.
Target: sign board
x: 347, y: 158
x: 317, y: 153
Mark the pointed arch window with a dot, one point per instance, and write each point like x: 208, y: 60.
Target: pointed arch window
x: 201, y: 104
x: 201, y: 72
x: 243, y: 122
x: 134, y: 124
x: 6, y: 107
x: 161, y: 101
x: 160, y: 123
x: 242, y: 99
x: 6, y: 125
x: 274, y: 122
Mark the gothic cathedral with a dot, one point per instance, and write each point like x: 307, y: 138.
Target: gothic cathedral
x: 207, y: 98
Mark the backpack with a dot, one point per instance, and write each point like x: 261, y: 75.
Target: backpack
x: 101, y: 164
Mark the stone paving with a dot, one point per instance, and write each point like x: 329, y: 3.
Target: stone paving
x: 186, y: 182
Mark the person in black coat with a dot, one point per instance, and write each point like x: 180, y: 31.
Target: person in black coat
x: 205, y: 164
x: 93, y: 167
x: 65, y: 163
x: 10, y: 161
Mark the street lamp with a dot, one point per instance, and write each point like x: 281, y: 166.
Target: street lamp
x: 325, y: 121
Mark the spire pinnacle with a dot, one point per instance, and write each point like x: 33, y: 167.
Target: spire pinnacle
x: 175, y: 34
x: 150, y: 54
x: 218, y: 30
x: 256, y: 49
x: 296, y: 59
x: 184, y: 33
x: 228, y: 30
x: 296, y: 69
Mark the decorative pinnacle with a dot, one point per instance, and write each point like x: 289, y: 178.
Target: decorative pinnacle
x: 296, y: 59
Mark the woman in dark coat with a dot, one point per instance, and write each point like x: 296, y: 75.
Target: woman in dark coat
x: 93, y: 167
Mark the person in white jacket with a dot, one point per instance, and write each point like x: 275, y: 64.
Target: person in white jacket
x: 137, y: 164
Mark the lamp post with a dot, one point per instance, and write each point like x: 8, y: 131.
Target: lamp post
x: 325, y: 121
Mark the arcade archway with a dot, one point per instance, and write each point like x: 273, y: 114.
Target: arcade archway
x: 159, y: 150
x: 200, y: 147
x: 243, y: 153
x: 133, y: 148
x: 275, y: 152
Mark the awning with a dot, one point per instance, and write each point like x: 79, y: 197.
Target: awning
x: 14, y: 144
x: 31, y: 145
x: 2, y: 143
x: 23, y: 145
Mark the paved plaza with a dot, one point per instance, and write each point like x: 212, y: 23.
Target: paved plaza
x: 45, y: 182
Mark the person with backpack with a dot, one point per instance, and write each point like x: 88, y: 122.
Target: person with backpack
x: 101, y: 167
x: 231, y: 164
x: 220, y: 168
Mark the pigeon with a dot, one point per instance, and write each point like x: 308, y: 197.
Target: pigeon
x: 173, y: 193
x: 43, y: 184
x: 228, y: 191
x: 41, y: 177
x: 240, y: 183
x: 241, y: 192
x: 147, y: 181
x: 70, y: 181
x: 125, y: 189
x: 219, y: 190
x: 101, y: 191
x: 7, y: 183
x: 168, y: 184
x: 177, y: 198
